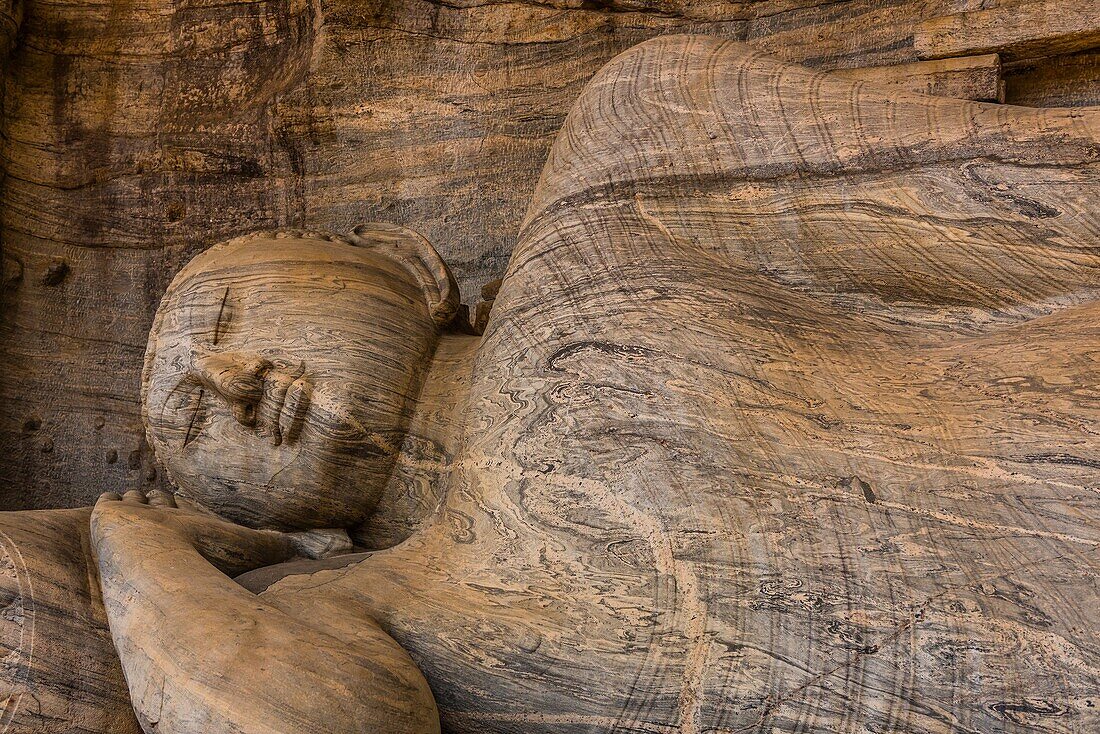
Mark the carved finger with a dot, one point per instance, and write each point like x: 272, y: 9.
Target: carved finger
x: 109, y: 497
x: 135, y: 496
x: 160, y: 498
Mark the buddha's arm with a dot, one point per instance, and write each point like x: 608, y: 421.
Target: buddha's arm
x: 202, y: 654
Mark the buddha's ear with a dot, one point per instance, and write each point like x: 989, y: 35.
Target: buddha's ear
x: 418, y: 256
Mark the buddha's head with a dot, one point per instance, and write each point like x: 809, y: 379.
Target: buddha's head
x: 282, y: 369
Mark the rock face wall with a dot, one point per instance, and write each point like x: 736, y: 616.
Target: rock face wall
x: 137, y: 133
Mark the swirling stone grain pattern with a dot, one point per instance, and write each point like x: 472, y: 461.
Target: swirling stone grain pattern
x: 58, y: 670
x: 785, y: 420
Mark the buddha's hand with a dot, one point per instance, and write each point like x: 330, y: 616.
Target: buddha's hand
x: 134, y: 523
x: 203, y: 654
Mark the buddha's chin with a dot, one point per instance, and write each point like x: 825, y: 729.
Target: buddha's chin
x: 317, y: 482
x: 286, y: 505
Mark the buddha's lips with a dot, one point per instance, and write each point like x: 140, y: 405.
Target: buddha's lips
x: 291, y: 411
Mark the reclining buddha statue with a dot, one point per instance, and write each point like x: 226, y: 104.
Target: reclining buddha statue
x: 784, y: 419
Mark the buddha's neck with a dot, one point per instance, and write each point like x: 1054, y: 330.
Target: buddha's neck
x: 437, y: 415
x: 421, y: 470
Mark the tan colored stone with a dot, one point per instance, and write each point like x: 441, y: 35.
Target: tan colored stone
x: 780, y: 421
x: 136, y: 135
x: 968, y: 77
x: 58, y: 669
x: 1017, y: 29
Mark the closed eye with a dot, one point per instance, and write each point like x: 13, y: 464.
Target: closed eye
x: 196, y: 417
x: 186, y: 402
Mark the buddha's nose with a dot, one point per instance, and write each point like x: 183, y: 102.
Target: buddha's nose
x: 237, y: 378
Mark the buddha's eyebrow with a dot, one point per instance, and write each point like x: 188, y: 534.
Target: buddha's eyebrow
x: 222, y: 316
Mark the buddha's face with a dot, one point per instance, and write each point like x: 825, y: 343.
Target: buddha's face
x: 279, y: 379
